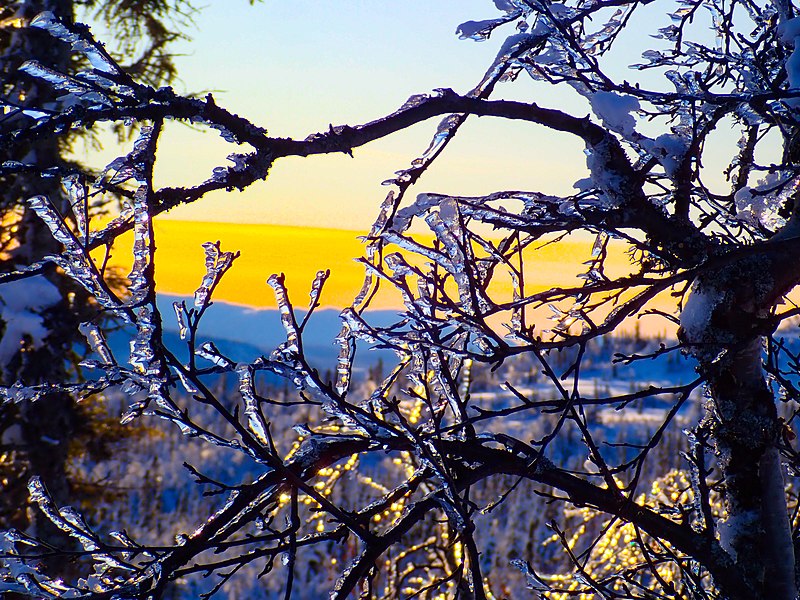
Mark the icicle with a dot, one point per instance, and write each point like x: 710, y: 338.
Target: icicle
x: 369, y: 278
x: 180, y: 315
x: 255, y: 419
x: 344, y: 359
x: 466, y: 379
x: 143, y: 357
x: 444, y: 131
x: 388, y: 206
x: 77, y: 200
x: 599, y: 245
x: 140, y: 276
x: 142, y: 353
x: 447, y: 227
x: 442, y: 388
x: 694, y: 474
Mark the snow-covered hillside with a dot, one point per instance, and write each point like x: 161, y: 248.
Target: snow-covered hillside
x: 243, y: 333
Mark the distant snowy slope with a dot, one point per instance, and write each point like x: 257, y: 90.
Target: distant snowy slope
x: 244, y: 332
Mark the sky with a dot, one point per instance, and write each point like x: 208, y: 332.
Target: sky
x: 295, y: 67
x: 299, y: 252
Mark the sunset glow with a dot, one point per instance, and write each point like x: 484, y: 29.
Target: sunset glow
x: 299, y: 252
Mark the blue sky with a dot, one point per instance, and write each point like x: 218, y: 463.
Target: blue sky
x: 297, y: 66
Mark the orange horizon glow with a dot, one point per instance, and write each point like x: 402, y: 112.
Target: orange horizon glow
x: 299, y: 252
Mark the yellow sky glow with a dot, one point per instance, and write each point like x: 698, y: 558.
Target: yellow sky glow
x: 299, y: 252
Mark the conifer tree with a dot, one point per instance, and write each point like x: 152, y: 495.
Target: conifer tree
x: 36, y: 438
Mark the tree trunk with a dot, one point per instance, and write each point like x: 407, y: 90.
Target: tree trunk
x: 722, y: 325
x: 746, y: 430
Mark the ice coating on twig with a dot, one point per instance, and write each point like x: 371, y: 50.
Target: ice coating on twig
x: 93, y: 51
x: 479, y: 31
x: 187, y: 384
x: 442, y: 386
x: 68, y: 520
x: 180, y: 316
x: 387, y: 209
x: 63, y: 82
x: 143, y: 355
x: 217, y: 264
x: 316, y: 288
x: 74, y: 260
x: 420, y: 206
x: 42, y: 206
x: 97, y: 342
x: 210, y: 352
